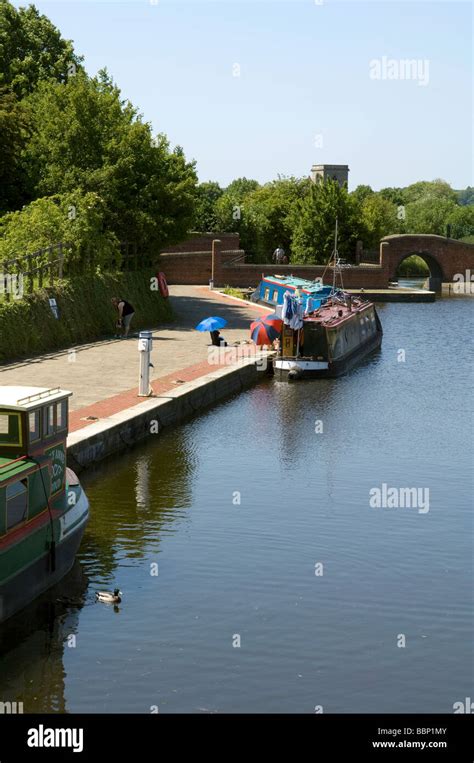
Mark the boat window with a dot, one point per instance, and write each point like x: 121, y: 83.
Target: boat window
x: 266, y: 295
x: 275, y: 295
x: 17, y: 503
x: 34, y: 425
x: 48, y: 420
x: 61, y: 415
x: 10, y: 428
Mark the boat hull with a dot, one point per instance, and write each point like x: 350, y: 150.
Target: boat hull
x: 35, y: 578
x: 286, y: 368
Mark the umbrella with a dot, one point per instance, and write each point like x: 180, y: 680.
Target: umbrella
x: 266, y: 329
x: 211, y: 324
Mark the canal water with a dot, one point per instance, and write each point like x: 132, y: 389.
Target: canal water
x: 256, y: 576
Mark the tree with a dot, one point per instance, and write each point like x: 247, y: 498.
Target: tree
x: 75, y: 219
x: 461, y: 222
x: 395, y: 195
x: 466, y: 196
x: 32, y: 50
x: 438, y: 189
x: 13, y: 136
x: 87, y: 138
x: 361, y: 193
x: 313, y: 237
x: 269, y: 212
x: 207, y: 195
x: 378, y: 217
x: 429, y: 214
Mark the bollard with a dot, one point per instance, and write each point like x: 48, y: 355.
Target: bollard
x: 145, y: 344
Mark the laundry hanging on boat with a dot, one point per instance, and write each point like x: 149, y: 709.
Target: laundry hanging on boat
x: 293, y: 311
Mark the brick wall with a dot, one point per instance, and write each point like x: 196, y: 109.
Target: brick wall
x: 193, y: 266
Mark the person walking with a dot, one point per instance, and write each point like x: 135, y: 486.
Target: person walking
x: 279, y: 255
x: 126, y: 312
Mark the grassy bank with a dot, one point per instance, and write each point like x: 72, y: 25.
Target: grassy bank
x: 28, y: 327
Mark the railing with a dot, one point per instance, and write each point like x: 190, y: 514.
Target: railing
x: 36, y: 268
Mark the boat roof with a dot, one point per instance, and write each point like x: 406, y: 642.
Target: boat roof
x: 15, y: 398
x: 332, y: 315
x: 12, y: 467
x: 293, y: 282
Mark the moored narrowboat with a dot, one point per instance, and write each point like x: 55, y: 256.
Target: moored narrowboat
x: 43, y: 508
x: 329, y: 340
x: 272, y: 289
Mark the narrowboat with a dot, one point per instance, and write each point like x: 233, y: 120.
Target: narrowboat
x: 43, y: 508
x: 329, y: 340
x: 271, y: 291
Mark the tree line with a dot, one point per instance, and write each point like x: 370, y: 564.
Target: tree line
x: 299, y: 215
x: 79, y: 164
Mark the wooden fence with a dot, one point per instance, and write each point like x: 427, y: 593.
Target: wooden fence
x: 30, y: 272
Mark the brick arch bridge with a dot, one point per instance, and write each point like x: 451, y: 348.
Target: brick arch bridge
x: 445, y: 257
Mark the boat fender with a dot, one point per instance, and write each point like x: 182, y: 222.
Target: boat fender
x: 162, y: 285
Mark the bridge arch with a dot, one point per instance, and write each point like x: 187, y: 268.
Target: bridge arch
x: 445, y: 257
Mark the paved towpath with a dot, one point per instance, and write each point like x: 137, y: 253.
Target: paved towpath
x: 103, y: 375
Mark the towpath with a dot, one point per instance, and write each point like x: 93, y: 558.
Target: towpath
x: 103, y: 375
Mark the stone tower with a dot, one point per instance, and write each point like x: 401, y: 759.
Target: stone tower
x: 322, y: 172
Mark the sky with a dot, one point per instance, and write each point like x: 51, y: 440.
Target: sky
x: 263, y: 88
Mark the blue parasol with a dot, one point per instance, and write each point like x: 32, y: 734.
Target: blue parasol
x: 211, y: 324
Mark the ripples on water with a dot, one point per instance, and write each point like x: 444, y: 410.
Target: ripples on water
x: 248, y: 568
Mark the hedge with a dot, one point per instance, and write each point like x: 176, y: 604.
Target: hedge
x: 28, y: 326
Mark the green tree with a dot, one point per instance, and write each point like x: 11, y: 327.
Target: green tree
x: 378, y: 217
x: 429, y: 214
x: 32, y: 50
x: 461, y: 221
x: 437, y: 189
x: 313, y: 237
x: 13, y: 137
x: 207, y: 195
x: 395, y: 195
x: 75, y: 219
x: 87, y: 138
x: 361, y: 193
x: 466, y: 196
x: 270, y: 214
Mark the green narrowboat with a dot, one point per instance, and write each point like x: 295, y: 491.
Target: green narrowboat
x: 43, y: 508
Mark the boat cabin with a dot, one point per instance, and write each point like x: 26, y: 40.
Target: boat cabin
x: 271, y: 290
x: 33, y: 433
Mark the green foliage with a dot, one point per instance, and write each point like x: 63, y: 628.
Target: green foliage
x: 466, y: 196
x: 413, y: 266
x: 429, y: 214
x: 207, y: 195
x: 461, y: 222
x: 28, y: 327
x: 313, y: 237
x: 378, y: 217
x: 74, y: 218
x: 32, y: 49
x: 233, y: 292
x: 86, y: 139
x: 13, y: 137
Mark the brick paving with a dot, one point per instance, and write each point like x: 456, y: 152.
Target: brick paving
x: 103, y: 376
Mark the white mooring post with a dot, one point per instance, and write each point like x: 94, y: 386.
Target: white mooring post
x: 145, y: 344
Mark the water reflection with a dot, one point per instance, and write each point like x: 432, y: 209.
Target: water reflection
x: 32, y: 646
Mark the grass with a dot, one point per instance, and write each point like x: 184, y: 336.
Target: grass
x: 28, y: 326
x: 233, y: 292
